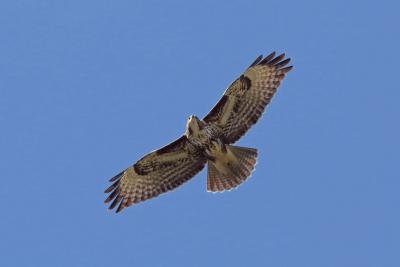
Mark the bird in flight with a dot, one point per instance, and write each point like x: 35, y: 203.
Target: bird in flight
x: 206, y: 141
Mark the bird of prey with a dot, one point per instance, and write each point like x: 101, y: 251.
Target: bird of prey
x: 206, y: 141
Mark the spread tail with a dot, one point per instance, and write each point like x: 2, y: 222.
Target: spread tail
x: 230, y: 169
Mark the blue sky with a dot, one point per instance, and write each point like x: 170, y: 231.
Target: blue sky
x: 88, y: 87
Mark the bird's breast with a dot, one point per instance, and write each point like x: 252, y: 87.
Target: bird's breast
x: 203, y: 138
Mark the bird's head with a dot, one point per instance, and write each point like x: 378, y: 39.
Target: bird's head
x: 193, y: 125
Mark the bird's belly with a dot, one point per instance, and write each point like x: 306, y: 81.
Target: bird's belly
x: 203, y: 138
x: 200, y: 141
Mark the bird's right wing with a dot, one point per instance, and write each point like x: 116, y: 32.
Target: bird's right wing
x: 157, y: 172
x: 246, y: 98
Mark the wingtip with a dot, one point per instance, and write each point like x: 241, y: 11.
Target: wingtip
x: 277, y: 59
x: 282, y: 63
x: 113, y: 195
x: 116, y: 177
x: 286, y: 69
x: 267, y: 59
x: 271, y: 60
x: 256, y: 61
x: 120, y: 207
x: 112, y: 187
x: 115, y: 202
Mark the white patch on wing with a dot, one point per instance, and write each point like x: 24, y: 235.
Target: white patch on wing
x: 227, y: 111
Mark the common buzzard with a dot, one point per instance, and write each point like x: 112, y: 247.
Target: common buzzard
x: 207, y: 141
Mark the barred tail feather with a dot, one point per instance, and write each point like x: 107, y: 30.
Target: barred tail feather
x: 238, y: 166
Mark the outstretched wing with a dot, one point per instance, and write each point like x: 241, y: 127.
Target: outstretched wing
x: 246, y: 98
x: 157, y: 172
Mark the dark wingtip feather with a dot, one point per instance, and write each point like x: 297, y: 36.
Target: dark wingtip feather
x: 271, y: 60
x: 115, y: 202
x: 267, y: 58
x: 277, y: 59
x: 121, y: 206
x: 256, y: 61
x: 114, y: 194
x: 282, y: 63
x: 116, y: 177
x: 286, y: 70
x: 111, y: 187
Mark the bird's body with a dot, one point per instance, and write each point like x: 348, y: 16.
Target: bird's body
x: 207, y: 141
x: 201, y: 134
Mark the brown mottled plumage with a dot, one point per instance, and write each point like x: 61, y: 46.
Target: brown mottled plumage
x: 206, y: 141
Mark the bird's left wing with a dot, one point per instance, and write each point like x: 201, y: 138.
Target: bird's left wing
x: 157, y: 172
x: 245, y: 99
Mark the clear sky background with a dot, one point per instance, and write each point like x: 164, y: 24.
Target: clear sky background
x: 88, y: 87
